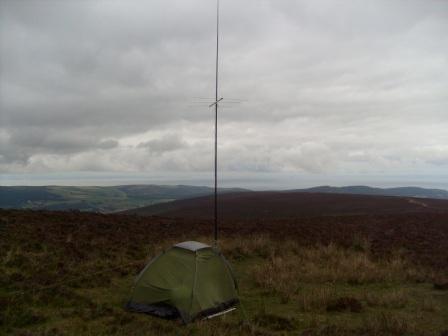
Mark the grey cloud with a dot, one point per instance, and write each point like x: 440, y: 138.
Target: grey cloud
x: 20, y: 145
x: 108, y: 144
x: 165, y: 144
x: 327, y: 86
x: 54, y: 141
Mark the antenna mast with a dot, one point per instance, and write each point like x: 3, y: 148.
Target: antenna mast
x: 216, y: 100
x: 216, y: 126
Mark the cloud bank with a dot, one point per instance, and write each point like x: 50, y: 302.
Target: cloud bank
x: 328, y: 87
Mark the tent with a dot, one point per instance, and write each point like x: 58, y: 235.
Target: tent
x: 190, y: 280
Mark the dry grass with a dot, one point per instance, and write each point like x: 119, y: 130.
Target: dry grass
x: 242, y: 247
x: 284, y: 273
x: 379, y: 324
x: 389, y: 324
x: 428, y: 304
x: 316, y: 299
x: 298, y: 283
x: 397, y: 298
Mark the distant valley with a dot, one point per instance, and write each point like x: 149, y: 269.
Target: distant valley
x: 125, y: 197
x: 97, y: 199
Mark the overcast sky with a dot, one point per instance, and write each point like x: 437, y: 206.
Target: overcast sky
x: 334, y: 92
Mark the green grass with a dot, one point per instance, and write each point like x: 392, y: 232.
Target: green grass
x: 285, y: 289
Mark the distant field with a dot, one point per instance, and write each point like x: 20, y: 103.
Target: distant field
x: 96, y: 199
x: 69, y: 273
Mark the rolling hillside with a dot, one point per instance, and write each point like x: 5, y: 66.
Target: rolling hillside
x: 124, y: 197
x: 365, y: 190
x: 97, y: 199
x: 267, y: 205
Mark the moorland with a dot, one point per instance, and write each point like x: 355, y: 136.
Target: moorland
x: 359, y: 272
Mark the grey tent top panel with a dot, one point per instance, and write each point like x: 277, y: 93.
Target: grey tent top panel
x: 192, y: 245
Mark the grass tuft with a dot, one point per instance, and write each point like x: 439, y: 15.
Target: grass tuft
x: 397, y: 298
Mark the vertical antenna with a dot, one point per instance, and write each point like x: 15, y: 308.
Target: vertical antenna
x: 216, y: 125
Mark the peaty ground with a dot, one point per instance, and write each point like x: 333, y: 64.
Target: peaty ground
x: 70, y: 273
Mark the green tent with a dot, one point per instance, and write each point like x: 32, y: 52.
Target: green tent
x: 190, y: 280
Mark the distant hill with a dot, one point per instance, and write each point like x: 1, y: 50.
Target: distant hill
x: 365, y: 190
x: 98, y: 199
x: 124, y: 197
x: 274, y: 205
